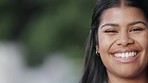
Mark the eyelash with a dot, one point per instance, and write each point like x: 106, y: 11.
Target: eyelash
x: 137, y: 29
x: 110, y: 31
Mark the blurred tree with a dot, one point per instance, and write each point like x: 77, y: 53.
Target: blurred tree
x: 46, y: 26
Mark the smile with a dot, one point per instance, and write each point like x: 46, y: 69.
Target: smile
x: 125, y: 55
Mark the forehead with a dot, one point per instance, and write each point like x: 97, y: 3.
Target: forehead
x: 122, y: 15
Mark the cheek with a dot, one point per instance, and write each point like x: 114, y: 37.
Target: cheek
x: 143, y: 41
x: 104, y: 43
x: 144, y: 44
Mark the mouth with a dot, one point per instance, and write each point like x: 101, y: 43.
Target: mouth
x: 125, y: 55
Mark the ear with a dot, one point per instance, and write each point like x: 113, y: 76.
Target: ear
x: 97, y: 48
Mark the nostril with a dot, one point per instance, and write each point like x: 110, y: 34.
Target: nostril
x: 124, y: 41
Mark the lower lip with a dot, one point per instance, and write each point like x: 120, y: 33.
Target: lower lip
x: 126, y: 60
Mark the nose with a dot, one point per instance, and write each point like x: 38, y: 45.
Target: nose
x: 124, y: 40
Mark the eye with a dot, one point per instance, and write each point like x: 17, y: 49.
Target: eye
x: 110, y: 31
x: 137, y: 29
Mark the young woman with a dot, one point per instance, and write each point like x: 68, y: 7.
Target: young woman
x: 117, y: 47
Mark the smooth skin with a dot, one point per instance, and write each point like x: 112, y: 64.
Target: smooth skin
x: 124, y: 29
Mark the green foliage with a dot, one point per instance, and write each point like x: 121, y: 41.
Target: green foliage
x: 48, y: 26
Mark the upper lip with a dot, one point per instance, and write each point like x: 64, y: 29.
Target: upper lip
x: 124, y: 50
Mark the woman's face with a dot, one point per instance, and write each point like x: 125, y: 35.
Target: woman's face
x: 123, y: 41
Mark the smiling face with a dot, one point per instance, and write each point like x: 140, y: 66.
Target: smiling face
x: 123, y: 42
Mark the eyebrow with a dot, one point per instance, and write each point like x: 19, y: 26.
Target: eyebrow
x: 130, y: 24
x: 110, y: 24
x: 137, y: 22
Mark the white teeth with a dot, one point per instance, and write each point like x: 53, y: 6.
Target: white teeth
x: 125, y: 55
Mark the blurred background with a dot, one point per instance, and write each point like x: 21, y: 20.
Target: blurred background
x: 42, y: 41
